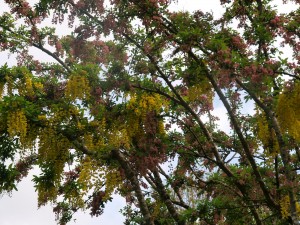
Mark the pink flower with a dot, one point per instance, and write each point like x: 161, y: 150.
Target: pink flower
x: 58, y: 46
x: 80, y: 4
x: 256, y: 78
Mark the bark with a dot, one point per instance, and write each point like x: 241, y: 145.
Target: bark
x: 282, y: 148
x: 237, y: 128
x: 166, y: 199
x: 132, y: 177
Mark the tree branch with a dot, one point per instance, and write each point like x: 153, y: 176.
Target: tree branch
x: 131, y: 175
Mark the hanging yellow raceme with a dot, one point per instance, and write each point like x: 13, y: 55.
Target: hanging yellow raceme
x: 29, y: 142
x: 88, y: 173
x: 285, y: 206
x: 145, y: 103
x: 54, y: 148
x: 119, y: 138
x: 113, y: 180
x: 139, y: 107
x: 25, y: 85
x: 28, y: 86
x: 88, y: 141
x: 17, y: 123
x: 266, y: 135
x: 78, y: 87
x: 96, y: 142
x: 288, y: 112
x: 2, y: 85
x: 38, y: 85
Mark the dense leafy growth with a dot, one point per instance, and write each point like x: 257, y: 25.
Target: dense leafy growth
x: 131, y: 91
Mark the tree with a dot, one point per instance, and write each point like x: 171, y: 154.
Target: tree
x: 101, y: 118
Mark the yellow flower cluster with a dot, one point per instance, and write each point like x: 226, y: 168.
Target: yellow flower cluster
x: 157, y: 209
x: 1, y: 89
x: 138, y: 108
x: 100, y: 125
x: 42, y: 117
x: 298, y: 209
x: 88, y: 141
x: 28, y: 85
x: 38, y: 85
x: 288, y: 111
x: 17, y: 123
x: 29, y: 142
x: 90, y: 175
x: 267, y: 135
x: 113, y: 181
x: 86, y: 175
x: 46, y: 194
x: 145, y: 103
x: 96, y: 143
x: 59, y: 114
x: 161, y: 127
x: 47, y: 144
x: 54, y: 148
x: 78, y: 87
x: 93, y: 176
x: 285, y: 206
x: 119, y: 138
x: 93, y: 144
x: 25, y: 86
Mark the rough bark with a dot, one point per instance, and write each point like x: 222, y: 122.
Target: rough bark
x: 132, y: 176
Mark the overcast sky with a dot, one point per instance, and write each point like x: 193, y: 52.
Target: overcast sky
x: 21, y: 207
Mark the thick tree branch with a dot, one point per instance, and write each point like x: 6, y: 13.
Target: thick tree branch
x: 158, y: 91
x: 131, y: 175
x: 282, y: 146
x: 176, y: 190
x: 166, y: 198
x: 238, y: 131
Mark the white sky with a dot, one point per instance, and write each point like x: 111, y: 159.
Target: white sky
x: 21, y: 207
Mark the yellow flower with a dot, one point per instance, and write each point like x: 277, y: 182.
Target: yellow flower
x: 1, y: 89
x: 77, y: 87
x: 288, y: 111
x: 38, y: 85
x: 17, y: 123
x: 284, y: 206
x: 266, y: 134
x: 42, y: 117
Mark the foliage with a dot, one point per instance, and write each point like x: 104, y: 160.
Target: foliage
x: 131, y: 90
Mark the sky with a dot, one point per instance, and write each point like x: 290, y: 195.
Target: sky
x: 21, y: 207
